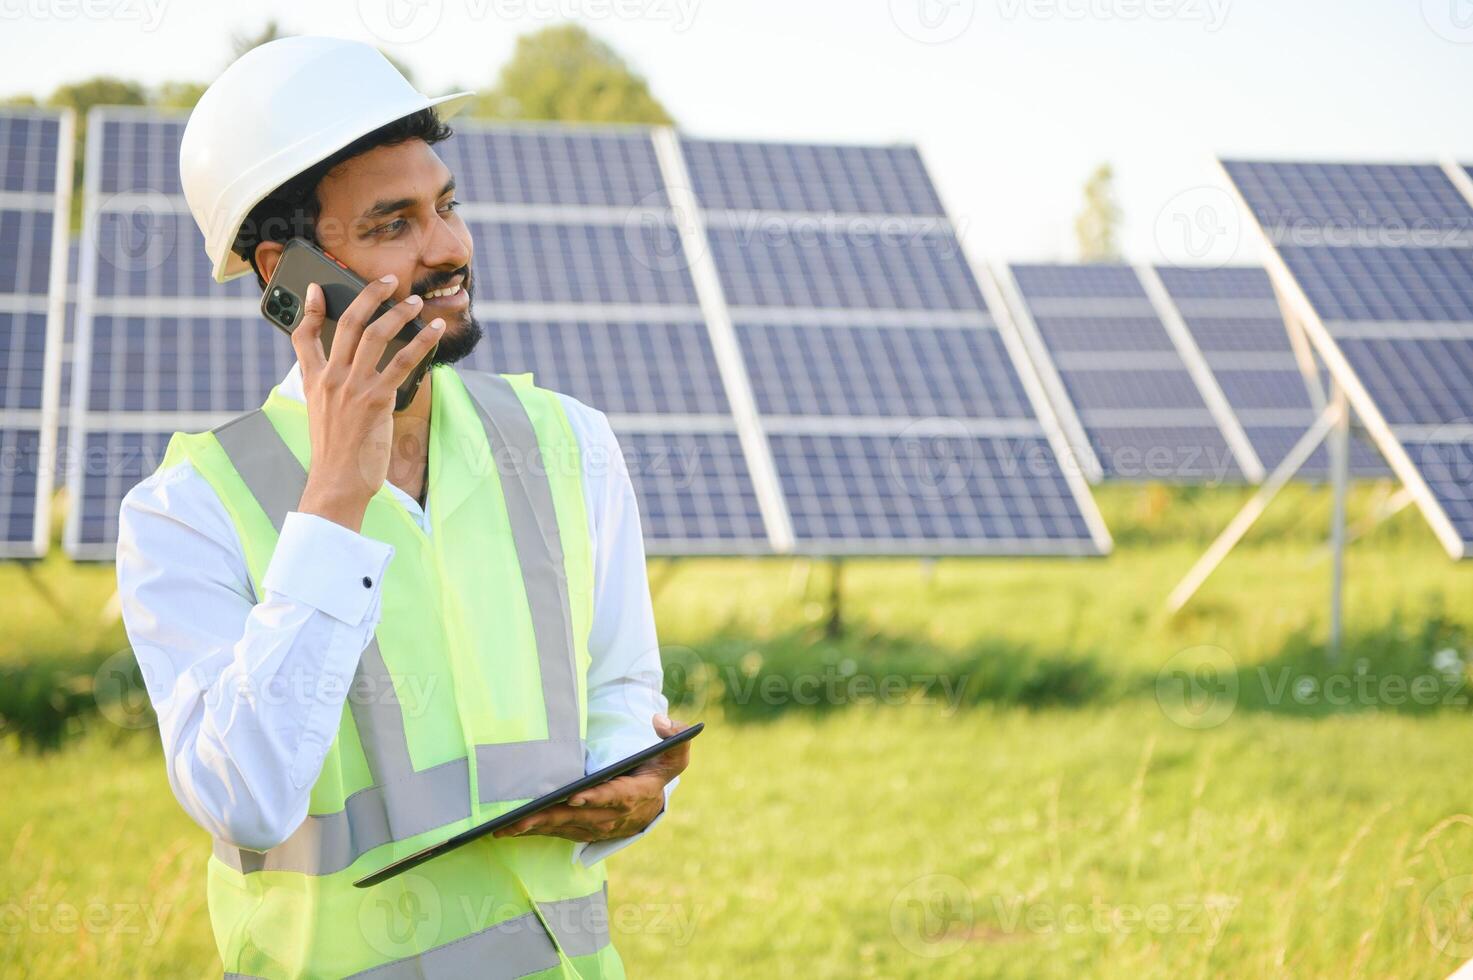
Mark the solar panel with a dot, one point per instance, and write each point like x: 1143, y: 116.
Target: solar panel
x: 35, y: 205
x: 1103, y: 343
x: 1377, y: 261
x: 884, y: 394
x: 1233, y: 315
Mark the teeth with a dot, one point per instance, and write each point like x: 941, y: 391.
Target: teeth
x: 447, y: 291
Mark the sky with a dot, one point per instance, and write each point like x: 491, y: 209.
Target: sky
x: 1012, y: 102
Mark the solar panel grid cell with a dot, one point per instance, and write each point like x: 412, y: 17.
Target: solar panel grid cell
x: 541, y: 166
x: 903, y: 372
x: 1307, y: 197
x: 920, y: 271
x: 1385, y: 283
x: 28, y: 152
x: 627, y: 367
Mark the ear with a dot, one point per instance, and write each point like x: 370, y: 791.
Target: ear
x: 267, y: 255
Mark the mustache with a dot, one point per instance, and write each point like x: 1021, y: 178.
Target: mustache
x: 441, y: 279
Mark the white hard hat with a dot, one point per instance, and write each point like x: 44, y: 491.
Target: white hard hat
x: 279, y: 109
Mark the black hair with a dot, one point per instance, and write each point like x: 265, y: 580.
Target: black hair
x: 293, y: 209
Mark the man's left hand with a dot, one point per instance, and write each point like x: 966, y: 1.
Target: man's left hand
x: 622, y: 806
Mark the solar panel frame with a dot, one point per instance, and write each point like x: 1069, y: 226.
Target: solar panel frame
x: 39, y: 194
x: 773, y: 294
x: 1443, y: 499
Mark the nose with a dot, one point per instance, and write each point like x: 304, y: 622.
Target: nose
x: 447, y: 246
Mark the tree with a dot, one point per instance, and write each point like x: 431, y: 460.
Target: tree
x: 241, y: 43
x: 177, y: 95
x: 565, y: 73
x: 1097, y: 226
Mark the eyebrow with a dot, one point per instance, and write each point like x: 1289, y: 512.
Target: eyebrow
x: 382, y: 209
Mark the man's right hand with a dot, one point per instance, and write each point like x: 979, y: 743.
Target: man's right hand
x: 350, y: 403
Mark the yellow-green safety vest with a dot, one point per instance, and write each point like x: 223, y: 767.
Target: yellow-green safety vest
x: 470, y: 700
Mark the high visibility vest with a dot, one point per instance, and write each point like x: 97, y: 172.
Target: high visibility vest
x: 470, y: 700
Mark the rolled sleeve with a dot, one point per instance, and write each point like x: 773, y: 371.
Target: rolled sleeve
x: 328, y: 567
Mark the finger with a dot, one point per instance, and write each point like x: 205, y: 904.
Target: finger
x: 386, y: 327
x: 621, y: 792
x: 355, y: 319
x: 307, y: 335
x: 665, y: 727
x: 413, y: 352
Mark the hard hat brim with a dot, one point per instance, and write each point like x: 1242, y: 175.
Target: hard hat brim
x: 232, y: 266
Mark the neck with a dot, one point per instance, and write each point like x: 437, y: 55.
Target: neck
x: 410, y: 452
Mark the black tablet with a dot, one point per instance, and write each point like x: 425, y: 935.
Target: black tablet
x: 527, y: 809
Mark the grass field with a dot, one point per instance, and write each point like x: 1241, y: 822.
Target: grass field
x: 1120, y: 794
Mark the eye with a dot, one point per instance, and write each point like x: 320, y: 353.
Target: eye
x: 390, y: 227
x: 451, y: 205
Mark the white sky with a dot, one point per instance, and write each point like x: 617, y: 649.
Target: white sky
x: 1012, y: 102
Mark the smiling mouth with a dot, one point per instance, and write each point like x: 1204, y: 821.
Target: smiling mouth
x: 442, y: 293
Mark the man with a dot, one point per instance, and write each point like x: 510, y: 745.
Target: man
x: 365, y: 630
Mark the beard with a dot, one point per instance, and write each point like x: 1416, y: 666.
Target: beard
x: 461, y: 337
x: 458, y: 341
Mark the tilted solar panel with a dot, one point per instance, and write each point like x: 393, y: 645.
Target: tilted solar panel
x: 1106, y: 349
x: 883, y: 392
x: 1388, y: 307
x: 35, y: 196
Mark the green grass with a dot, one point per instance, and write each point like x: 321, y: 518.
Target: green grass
x: 815, y: 847
x: 1081, y: 812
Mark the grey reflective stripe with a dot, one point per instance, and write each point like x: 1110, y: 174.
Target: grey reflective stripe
x: 518, y: 770
x: 513, y: 948
x: 327, y: 843
x: 379, y: 719
x: 538, y: 541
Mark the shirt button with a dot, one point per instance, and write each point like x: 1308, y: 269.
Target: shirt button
x: 367, y: 582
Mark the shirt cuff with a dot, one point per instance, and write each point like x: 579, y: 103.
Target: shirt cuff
x: 327, y: 566
x: 591, y: 852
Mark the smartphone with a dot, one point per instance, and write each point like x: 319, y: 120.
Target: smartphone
x: 303, y: 263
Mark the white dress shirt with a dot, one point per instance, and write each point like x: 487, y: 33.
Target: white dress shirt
x: 243, y: 767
